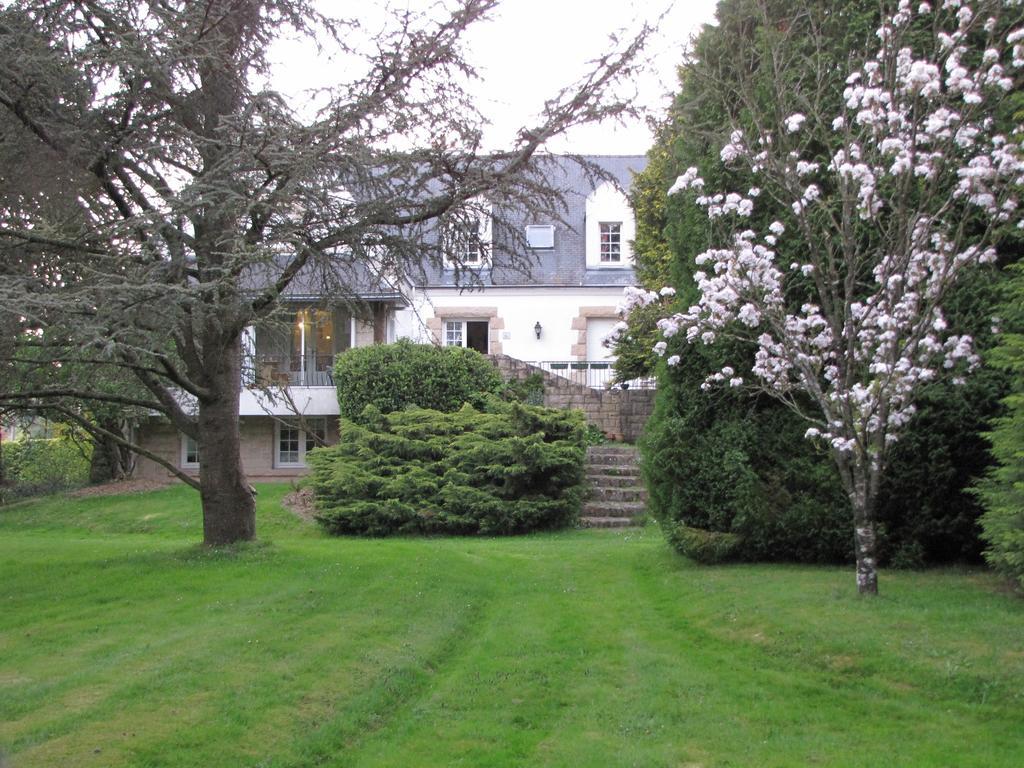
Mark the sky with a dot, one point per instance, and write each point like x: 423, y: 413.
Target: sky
x: 530, y: 49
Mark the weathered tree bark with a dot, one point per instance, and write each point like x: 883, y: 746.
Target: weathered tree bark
x: 864, y: 544
x: 110, y: 461
x: 861, y: 481
x: 229, y: 509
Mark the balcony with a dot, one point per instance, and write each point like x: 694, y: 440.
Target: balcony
x: 294, y: 371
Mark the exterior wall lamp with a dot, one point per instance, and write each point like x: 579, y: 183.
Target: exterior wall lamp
x: 537, y: 329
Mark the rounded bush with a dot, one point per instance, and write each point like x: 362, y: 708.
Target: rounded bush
x: 391, y: 377
x: 721, y: 462
x: 510, y: 469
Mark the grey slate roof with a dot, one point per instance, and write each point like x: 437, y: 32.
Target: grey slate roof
x: 565, y: 265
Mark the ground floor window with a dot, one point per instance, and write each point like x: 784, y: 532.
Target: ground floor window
x: 189, y: 453
x: 467, y: 333
x: 293, y: 438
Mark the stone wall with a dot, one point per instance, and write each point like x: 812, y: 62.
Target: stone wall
x: 619, y: 413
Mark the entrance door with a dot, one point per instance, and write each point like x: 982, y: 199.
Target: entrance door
x: 476, y: 336
x: 597, y: 329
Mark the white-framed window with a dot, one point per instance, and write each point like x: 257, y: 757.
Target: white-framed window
x: 189, y: 453
x: 467, y: 236
x: 540, y: 235
x: 292, y: 442
x: 611, y: 241
x: 470, y: 247
x: 454, y: 333
x: 610, y: 228
x: 474, y: 334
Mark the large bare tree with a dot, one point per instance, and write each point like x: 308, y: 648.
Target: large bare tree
x: 157, y: 197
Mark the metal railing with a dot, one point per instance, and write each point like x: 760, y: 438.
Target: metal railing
x: 291, y: 371
x: 317, y: 371
x: 596, y: 374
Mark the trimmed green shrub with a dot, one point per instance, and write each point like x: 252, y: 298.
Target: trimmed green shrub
x: 391, y: 377
x: 510, y: 468
x: 35, y: 466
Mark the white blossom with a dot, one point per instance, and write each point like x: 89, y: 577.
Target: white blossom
x: 794, y: 122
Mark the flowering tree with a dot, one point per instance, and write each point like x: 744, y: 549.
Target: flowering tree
x: 887, y: 204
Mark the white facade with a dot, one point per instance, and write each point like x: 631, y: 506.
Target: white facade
x: 304, y: 401
x: 567, y: 318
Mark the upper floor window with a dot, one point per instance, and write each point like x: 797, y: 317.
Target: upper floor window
x: 610, y: 228
x: 466, y: 235
x: 611, y: 241
x: 469, y: 246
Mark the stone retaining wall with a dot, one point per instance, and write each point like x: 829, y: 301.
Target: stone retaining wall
x: 619, y: 413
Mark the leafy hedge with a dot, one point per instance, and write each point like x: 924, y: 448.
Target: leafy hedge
x: 720, y: 462
x: 34, y: 466
x: 391, y: 377
x: 510, y: 468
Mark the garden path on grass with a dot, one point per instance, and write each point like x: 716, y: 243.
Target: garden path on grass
x: 123, y: 644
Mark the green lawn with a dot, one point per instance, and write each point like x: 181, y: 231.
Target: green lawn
x: 122, y: 643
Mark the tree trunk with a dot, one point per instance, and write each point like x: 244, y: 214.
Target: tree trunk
x: 108, y: 457
x: 229, y: 509
x: 864, y: 536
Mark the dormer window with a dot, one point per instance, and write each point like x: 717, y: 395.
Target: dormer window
x: 611, y: 241
x: 466, y: 236
x: 610, y: 228
x: 469, y: 246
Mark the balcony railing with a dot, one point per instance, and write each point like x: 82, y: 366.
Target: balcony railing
x: 317, y: 371
x: 292, y: 371
x: 596, y: 374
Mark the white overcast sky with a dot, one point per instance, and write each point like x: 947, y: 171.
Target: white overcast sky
x: 531, y: 48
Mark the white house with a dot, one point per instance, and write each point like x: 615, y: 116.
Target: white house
x: 556, y: 315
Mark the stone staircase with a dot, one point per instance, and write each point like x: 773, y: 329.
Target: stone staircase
x: 617, y: 497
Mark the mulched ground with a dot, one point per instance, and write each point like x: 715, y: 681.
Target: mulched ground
x: 300, y: 503
x: 119, y: 487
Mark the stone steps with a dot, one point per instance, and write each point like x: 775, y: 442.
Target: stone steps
x: 596, y: 508
x: 617, y: 498
x: 603, y: 480
x: 606, y: 522
x: 611, y: 460
x: 604, y: 493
